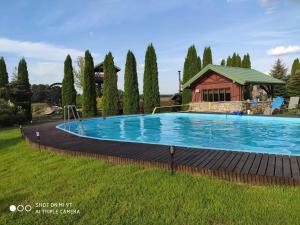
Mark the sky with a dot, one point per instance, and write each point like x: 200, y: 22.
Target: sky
x: 44, y: 32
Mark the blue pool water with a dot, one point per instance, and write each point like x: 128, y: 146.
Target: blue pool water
x: 272, y: 135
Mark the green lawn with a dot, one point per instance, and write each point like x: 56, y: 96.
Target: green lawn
x: 116, y: 194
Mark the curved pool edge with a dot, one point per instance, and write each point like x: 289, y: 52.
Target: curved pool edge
x: 257, y: 150
x: 220, y: 164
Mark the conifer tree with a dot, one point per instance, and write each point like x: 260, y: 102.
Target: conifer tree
x: 223, y: 62
x: 238, y: 61
x: 207, y: 57
x: 229, y: 61
x: 21, y: 90
x: 191, y: 68
x: 234, y: 60
x: 279, y: 71
x: 3, y: 79
x: 150, y: 87
x: 3, y: 73
x: 131, y: 89
x: 295, y: 66
x: 89, y: 88
x: 293, y: 84
x: 199, y: 63
x: 68, y: 90
x: 246, y: 61
x: 110, y: 89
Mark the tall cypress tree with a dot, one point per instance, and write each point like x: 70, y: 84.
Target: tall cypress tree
x: 234, y: 60
x: 110, y: 89
x: 238, y: 61
x: 295, y: 66
x: 293, y: 85
x: 207, y: 56
x: 199, y: 63
x: 89, y: 88
x: 223, y: 62
x: 3, y: 73
x: 131, y: 89
x: 191, y: 68
x: 279, y: 71
x: 22, y: 90
x: 3, y: 79
x: 248, y: 61
x: 229, y: 61
x: 68, y: 94
x: 150, y: 86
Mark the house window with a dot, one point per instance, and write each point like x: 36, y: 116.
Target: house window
x: 216, y: 95
x: 210, y: 96
x: 227, y: 95
x: 222, y: 95
x: 205, y: 95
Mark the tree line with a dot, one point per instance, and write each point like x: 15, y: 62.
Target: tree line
x: 110, y: 98
x: 15, y: 96
x: 292, y: 80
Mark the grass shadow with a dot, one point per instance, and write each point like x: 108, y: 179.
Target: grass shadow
x: 7, y: 143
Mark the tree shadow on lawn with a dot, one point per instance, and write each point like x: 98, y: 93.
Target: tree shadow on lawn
x: 6, y: 143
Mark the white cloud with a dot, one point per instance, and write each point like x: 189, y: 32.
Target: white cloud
x: 281, y: 50
x: 268, y: 2
x: 45, y: 72
x: 37, y: 50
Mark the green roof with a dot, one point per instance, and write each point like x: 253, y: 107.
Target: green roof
x: 236, y: 74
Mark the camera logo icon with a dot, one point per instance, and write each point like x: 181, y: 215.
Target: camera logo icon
x: 20, y: 208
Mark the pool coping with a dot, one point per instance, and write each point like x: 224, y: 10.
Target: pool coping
x: 241, y: 167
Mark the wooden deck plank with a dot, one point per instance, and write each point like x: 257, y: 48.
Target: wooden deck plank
x: 208, y: 159
x: 216, y: 159
x: 295, y: 168
x: 203, y: 158
x: 271, y: 166
x: 248, y: 163
x: 234, y: 161
x: 263, y: 165
x: 196, y: 158
x: 286, y: 166
x: 256, y: 164
x: 220, y: 161
x: 278, y: 166
x: 227, y: 161
x: 241, y: 163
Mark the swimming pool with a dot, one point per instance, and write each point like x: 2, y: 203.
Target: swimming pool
x: 274, y: 135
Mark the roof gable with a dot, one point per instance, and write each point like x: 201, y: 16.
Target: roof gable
x: 237, y: 75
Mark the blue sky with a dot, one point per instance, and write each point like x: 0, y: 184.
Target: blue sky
x: 44, y: 32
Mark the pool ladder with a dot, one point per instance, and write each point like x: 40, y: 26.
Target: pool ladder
x: 74, y: 111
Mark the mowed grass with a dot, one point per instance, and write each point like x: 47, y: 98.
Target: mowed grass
x: 119, y: 194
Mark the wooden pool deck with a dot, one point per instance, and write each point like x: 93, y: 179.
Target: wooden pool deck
x: 252, y: 168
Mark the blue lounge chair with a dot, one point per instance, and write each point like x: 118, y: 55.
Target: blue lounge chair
x: 277, y: 103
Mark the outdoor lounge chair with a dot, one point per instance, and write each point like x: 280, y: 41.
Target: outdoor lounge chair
x: 276, y: 104
x: 294, y: 101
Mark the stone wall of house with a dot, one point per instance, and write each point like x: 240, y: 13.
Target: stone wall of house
x: 228, y: 107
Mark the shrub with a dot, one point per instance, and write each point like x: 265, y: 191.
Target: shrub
x: 7, y: 116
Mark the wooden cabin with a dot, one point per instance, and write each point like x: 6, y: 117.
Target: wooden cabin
x: 216, y: 83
